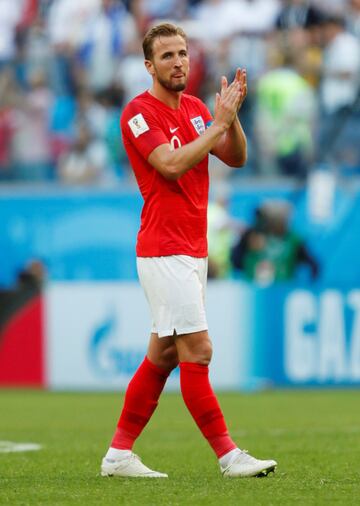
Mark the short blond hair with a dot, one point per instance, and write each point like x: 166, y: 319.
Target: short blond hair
x: 162, y: 30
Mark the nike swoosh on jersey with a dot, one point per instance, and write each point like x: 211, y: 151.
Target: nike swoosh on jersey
x: 173, y: 130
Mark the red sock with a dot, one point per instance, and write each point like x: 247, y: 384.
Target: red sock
x: 204, y: 407
x: 140, y: 402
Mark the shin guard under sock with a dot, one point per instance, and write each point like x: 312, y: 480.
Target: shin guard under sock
x: 204, y: 407
x: 140, y: 402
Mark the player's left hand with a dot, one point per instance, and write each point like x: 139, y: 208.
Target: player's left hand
x: 240, y: 77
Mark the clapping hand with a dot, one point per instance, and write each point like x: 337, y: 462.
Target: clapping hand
x: 241, y: 78
x: 231, y: 96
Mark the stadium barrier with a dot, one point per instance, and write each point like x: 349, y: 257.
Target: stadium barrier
x: 94, y: 335
x: 89, y: 328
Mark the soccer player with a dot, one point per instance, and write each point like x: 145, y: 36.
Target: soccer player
x: 168, y: 136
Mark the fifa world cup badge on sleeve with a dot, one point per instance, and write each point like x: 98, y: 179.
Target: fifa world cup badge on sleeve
x: 138, y: 125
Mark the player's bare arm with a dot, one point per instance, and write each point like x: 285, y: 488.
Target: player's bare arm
x: 231, y: 148
x: 172, y: 164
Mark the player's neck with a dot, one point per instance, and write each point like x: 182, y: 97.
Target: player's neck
x: 170, y: 98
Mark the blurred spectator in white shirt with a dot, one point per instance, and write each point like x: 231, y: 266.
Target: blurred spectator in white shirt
x: 253, y: 21
x: 38, y: 53
x: 91, y: 112
x: 339, y: 95
x: 255, y: 16
x: 341, y: 66
x: 297, y: 14
x: 131, y: 74
x: 216, y: 19
x: 68, y: 21
x: 332, y: 6
x: 67, y: 24
x: 31, y: 146
x: 108, y: 35
x: 10, y: 15
x: 87, y: 162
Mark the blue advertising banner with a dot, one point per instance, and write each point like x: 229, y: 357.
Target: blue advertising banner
x: 76, y: 234
x: 304, y: 336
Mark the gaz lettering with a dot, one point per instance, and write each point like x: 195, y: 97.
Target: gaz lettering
x: 322, y: 336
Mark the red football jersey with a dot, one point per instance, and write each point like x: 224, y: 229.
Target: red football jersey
x: 174, y: 215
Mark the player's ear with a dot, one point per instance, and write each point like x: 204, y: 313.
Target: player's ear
x: 150, y: 67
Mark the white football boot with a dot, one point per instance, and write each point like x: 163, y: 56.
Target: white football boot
x: 243, y: 465
x: 128, y: 466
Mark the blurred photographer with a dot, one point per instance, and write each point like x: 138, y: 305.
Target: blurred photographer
x: 269, y: 251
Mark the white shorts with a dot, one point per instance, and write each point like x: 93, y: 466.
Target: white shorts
x: 175, y: 289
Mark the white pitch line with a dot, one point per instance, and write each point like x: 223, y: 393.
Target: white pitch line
x: 11, y: 447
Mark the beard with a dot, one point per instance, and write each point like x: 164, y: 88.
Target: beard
x: 170, y: 85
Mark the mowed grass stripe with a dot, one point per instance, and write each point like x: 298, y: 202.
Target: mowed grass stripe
x: 312, y: 434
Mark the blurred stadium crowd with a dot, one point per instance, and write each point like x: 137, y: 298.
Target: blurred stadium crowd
x: 67, y: 67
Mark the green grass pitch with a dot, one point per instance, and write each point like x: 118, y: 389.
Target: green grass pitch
x: 314, y: 436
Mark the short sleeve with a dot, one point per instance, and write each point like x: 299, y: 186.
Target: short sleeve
x: 142, y: 129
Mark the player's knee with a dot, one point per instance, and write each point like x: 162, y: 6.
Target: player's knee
x: 169, y: 358
x: 203, y: 354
